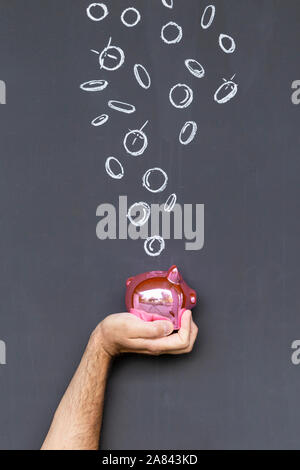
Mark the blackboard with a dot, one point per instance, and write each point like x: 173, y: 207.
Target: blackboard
x: 239, y: 388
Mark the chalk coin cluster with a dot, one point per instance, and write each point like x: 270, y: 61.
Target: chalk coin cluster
x: 181, y: 96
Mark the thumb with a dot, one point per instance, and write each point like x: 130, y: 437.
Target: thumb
x: 156, y: 329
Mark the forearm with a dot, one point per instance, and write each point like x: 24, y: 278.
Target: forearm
x: 77, y: 421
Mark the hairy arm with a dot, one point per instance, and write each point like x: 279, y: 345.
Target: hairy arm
x: 77, y: 421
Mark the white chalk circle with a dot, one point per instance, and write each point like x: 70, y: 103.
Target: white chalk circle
x: 155, y: 173
x: 228, y: 48
x: 115, y: 175
x: 111, y: 58
x: 195, y: 68
x: 122, y: 107
x: 142, y: 76
x: 168, y: 3
x: 188, y: 132
x: 100, y: 120
x: 208, y: 16
x: 144, y: 209
x: 94, y: 85
x: 136, y: 141
x: 136, y: 14
x: 154, y: 245
x: 97, y: 11
x: 170, y: 203
x: 226, y: 91
x: 181, y: 95
x: 167, y: 29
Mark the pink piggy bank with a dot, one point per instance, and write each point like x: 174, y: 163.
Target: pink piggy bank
x: 159, y: 295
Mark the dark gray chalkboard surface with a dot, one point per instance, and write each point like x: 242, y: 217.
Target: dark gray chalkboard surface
x: 239, y: 388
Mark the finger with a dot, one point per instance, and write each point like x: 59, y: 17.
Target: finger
x: 157, y: 350
x: 174, y: 344
x: 150, y: 330
x: 193, y: 337
x: 185, y: 329
x: 194, y: 334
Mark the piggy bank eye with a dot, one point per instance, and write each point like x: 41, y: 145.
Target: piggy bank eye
x: 193, y: 298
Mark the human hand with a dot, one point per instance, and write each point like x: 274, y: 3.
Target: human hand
x: 125, y: 333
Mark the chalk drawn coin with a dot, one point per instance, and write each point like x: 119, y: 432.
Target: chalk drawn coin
x: 195, y: 68
x: 155, y: 173
x: 208, y: 16
x: 168, y: 3
x: 136, y: 141
x: 181, y: 95
x: 97, y: 11
x: 188, y: 132
x: 226, y: 91
x: 143, y: 209
x: 168, y: 30
x: 100, y: 120
x: 122, y: 107
x: 227, y: 43
x: 154, y: 245
x: 111, y: 58
x: 128, y: 12
x: 142, y: 76
x: 94, y: 85
x: 170, y: 203
x: 115, y: 175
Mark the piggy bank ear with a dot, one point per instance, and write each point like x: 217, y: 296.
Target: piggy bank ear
x: 128, y: 282
x: 173, y: 275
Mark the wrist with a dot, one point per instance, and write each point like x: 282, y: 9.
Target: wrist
x: 97, y: 346
x: 99, y: 343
